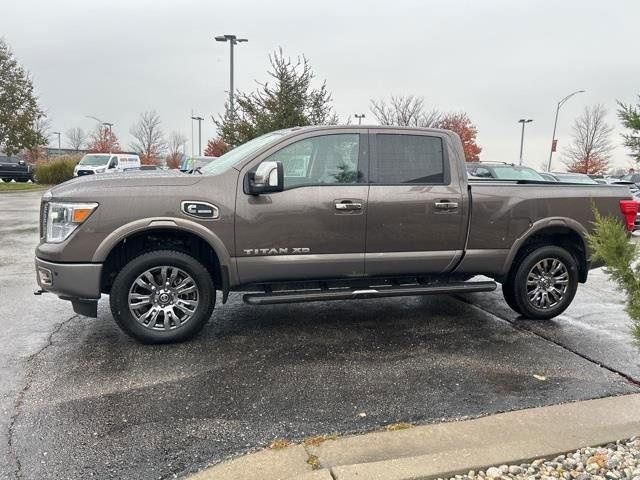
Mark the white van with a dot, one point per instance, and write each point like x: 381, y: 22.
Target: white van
x: 106, y: 162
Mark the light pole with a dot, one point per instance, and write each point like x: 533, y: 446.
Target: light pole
x: 199, y: 119
x: 523, y: 122
x: 59, y: 149
x: 232, y: 39
x: 555, y: 124
x: 359, y: 116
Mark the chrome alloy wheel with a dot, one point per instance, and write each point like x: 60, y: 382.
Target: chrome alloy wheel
x: 163, y: 298
x: 547, y: 283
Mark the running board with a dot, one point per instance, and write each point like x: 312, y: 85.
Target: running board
x: 296, y: 296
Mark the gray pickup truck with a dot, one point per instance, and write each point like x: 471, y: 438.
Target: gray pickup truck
x: 312, y: 214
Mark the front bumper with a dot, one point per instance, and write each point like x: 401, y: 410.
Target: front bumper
x: 76, y: 282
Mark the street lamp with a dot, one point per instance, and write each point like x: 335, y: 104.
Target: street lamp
x: 232, y: 39
x: 359, y: 116
x: 199, y: 119
x: 59, y: 149
x: 523, y: 122
x: 555, y: 124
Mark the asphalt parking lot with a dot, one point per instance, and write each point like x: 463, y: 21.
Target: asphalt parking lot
x: 80, y: 399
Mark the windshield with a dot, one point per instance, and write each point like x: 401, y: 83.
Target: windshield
x: 509, y: 172
x: 94, y: 160
x: 235, y: 156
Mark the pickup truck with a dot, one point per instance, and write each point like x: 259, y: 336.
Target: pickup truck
x: 313, y: 214
x: 13, y: 168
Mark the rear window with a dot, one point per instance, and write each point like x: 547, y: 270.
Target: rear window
x: 408, y: 159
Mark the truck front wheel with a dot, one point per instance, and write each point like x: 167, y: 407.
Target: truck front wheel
x: 543, y: 283
x: 162, y: 296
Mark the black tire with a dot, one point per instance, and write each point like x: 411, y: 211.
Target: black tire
x: 509, y: 294
x: 556, y: 269
x: 6, y: 180
x: 22, y: 180
x: 125, y: 282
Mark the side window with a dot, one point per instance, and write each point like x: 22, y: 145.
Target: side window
x: 408, y: 159
x: 483, y: 172
x: 322, y: 160
x: 114, y: 162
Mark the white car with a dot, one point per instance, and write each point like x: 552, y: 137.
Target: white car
x: 105, y: 162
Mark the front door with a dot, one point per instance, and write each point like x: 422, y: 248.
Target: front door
x: 416, y: 212
x: 315, y: 228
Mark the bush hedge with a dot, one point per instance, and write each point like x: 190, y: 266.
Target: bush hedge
x: 56, y: 170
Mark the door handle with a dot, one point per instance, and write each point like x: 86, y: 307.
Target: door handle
x: 348, y: 205
x: 446, y: 205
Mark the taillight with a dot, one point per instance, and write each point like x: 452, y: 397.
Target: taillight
x: 629, y: 209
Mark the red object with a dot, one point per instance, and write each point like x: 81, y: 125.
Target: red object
x: 554, y: 144
x: 629, y: 209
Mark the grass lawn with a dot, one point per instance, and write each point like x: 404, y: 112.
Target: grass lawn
x: 18, y: 187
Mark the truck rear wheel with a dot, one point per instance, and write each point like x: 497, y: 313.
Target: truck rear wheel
x: 543, y: 283
x: 509, y: 294
x: 162, y: 296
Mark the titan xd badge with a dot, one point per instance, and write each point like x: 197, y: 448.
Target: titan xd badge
x: 200, y: 209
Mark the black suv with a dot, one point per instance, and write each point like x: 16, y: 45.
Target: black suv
x: 13, y: 168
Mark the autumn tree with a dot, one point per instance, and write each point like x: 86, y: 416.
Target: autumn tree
x: 19, y: 109
x: 288, y: 100
x: 216, y: 147
x: 630, y: 117
x: 175, y: 149
x: 460, y: 123
x: 103, y: 140
x: 405, y: 111
x: 76, y: 138
x: 149, y: 142
x: 590, y: 147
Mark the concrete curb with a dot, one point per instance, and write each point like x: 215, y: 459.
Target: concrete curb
x: 445, y: 449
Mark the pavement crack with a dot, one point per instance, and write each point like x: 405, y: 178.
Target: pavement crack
x: 521, y: 328
x: 17, y: 406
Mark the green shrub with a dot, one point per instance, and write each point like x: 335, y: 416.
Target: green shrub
x: 56, y: 170
x: 610, y: 244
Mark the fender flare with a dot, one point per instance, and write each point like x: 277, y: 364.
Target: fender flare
x: 148, y: 224
x: 540, y: 225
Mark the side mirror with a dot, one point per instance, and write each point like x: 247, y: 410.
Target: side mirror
x: 21, y: 162
x: 267, y: 178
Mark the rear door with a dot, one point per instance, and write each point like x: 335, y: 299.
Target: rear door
x: 315, y: 228
x: 416, y: 210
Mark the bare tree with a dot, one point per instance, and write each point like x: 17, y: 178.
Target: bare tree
x: 407, y: 111
x: 176, y: 148
x: 76, y: 138
x: 590, y: 148
x: 149, y: 140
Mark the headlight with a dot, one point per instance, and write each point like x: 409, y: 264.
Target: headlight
x: 64, y: 218
x: 100, y: 170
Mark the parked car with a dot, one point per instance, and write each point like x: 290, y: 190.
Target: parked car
x: 195, y: 164
x: 311, y: 214
x: 502, y: 171
x: 93, y: 163
x: 567, y: 177
x: 14, y: 168
x: 632, y: 177
x: 549, y: 177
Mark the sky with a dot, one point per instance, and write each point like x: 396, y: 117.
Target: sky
x: 497, y: 60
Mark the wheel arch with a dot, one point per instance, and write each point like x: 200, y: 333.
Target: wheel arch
x: 562, y: 232
x: 134, y: 238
